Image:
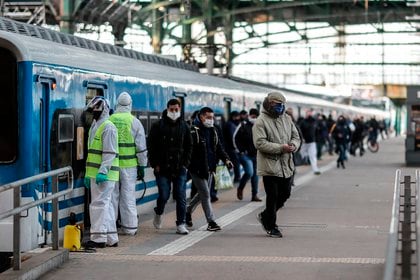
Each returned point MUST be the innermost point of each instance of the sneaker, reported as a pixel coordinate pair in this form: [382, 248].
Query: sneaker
[157, 221]
[113, 245]
[275, 232]
[256, 198]
[93, 244]
[259, 219]
[188, 220]
[317, 172]
[239, 194]
[213, 227]
[181, 229]
[214, 199]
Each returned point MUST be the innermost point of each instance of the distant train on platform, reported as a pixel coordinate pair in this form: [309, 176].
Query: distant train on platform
[46, 80]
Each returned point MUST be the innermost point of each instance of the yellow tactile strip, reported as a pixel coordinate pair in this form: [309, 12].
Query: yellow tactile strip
[253, 259]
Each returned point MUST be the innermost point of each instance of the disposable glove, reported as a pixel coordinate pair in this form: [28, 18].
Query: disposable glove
[87, 182]
[140, 172]
[100, 178]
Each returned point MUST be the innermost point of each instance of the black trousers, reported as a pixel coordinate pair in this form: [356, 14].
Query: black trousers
[277, 191]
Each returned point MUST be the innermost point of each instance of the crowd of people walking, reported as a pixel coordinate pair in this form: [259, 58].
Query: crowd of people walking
[252, 144]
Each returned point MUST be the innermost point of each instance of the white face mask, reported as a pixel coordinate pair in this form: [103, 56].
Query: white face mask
[252, 120]
[208, 123]
[174, 115]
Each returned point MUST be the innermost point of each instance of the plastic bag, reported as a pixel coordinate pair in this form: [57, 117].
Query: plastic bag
[223, 181]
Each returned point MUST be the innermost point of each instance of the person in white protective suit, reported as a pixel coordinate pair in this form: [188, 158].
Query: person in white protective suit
[102, 173]
[133, 161]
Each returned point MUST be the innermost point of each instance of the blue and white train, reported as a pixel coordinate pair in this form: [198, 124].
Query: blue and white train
[46, 80]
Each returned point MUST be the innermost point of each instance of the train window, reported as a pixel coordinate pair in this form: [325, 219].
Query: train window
[92, 92]
[144, 121]
[153, 119]
[9, 110]
[65, 128]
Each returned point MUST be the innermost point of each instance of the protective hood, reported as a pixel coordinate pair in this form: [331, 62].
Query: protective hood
[124, 103]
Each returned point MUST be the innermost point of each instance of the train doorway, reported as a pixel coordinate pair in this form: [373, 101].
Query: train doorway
[44, 186]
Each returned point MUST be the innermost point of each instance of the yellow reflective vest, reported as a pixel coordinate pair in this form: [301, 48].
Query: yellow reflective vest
[126, 144]
[94, 159]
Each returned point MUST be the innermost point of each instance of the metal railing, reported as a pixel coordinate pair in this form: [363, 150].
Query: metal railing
[17, 208]
[400, 257]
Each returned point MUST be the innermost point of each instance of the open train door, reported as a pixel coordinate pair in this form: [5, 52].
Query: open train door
[44, 187]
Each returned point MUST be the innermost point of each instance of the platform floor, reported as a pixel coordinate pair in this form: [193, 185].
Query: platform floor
[335, 226]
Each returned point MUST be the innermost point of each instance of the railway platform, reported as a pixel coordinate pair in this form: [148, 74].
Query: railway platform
[335, 226]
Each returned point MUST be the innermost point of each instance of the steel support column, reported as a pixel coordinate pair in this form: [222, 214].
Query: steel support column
[66, 16]
[157, 21]
[210, 51]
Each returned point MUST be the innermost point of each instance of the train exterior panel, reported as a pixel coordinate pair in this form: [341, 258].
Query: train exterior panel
[54, 82]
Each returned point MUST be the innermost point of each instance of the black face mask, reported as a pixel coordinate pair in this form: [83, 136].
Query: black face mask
[97, 115]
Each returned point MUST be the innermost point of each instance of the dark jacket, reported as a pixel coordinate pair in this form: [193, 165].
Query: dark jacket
[341, 133]
[207, 150]
[228, 130]
[308, 127]
[242, 139]
[169, 145]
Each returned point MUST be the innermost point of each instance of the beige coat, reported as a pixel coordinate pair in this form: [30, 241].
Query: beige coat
[269, 134]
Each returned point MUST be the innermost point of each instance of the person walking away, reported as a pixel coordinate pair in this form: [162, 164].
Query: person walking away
[330, 122]
[321, 135]
[373, 129]
[169, 145]
[207, 151]
[133, 161]
[308, 127]
[244, 145]
[276, 138]
[341, 134]
[357, 137]
[102, 173]
[228, 130]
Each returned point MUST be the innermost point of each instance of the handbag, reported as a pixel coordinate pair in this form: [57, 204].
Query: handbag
[223, 181]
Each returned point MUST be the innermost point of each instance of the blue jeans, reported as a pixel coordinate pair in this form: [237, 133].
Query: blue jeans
[179, 192]
[250, 172]
[342, 148]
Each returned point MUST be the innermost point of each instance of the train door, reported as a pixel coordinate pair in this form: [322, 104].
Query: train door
[227, 107]
[93, 88]
[44, 187]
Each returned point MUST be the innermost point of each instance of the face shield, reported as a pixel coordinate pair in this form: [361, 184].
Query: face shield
[97, 106]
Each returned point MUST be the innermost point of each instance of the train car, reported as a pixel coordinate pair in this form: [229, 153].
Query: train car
[48, 77]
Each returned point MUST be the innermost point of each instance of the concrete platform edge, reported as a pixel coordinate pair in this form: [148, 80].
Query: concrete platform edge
[37, 265]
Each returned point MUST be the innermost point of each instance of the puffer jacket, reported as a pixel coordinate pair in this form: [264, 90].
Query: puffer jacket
[269, 135]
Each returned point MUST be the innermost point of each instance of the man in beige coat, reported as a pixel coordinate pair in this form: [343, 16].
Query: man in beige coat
[276, 138]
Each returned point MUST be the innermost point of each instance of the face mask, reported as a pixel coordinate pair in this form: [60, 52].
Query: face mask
[252, 120]
[97, 115]
[208, 123]
[279, 108]
[174, 115]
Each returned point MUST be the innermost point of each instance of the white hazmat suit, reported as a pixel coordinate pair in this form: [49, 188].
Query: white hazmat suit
[124, 194]
[102, 214]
